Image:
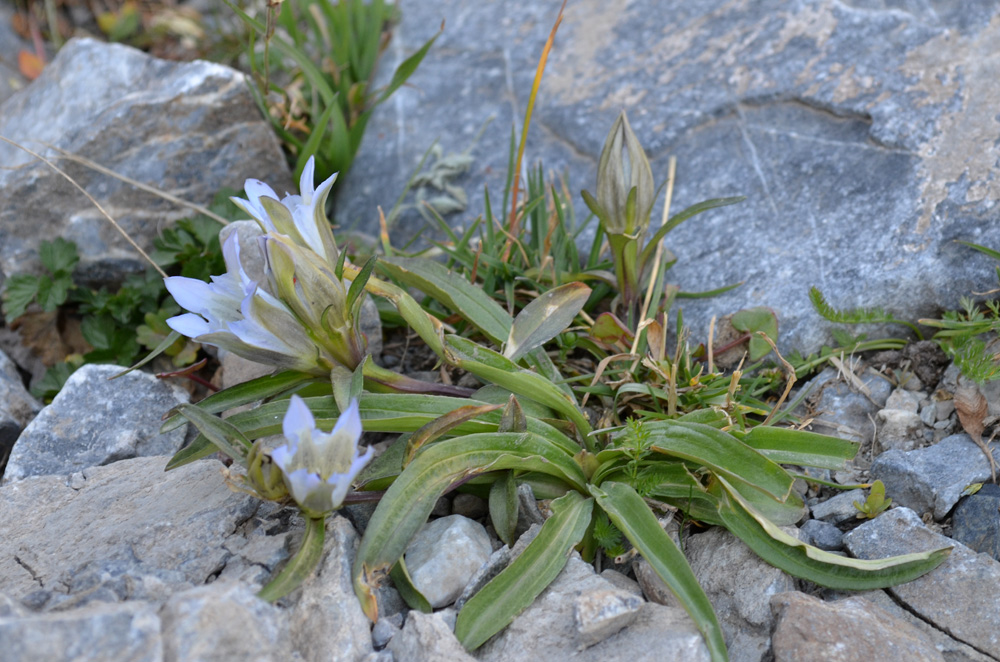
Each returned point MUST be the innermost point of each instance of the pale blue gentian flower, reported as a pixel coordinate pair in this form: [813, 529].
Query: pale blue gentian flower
[301, 217]
[318, 467]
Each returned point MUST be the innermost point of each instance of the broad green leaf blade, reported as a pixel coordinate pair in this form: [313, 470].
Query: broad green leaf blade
[503, 507]
[801, 448]
[545, 318]
[254, 390]
[824, 568]
[982, 249]
[226, 436]
[452, 290]
[516, 587]
[633, 517]
[444, 425]
[410, 499]
[404, 584]
[752, 320]
[500, 370]
[721, 452]
[301, 565]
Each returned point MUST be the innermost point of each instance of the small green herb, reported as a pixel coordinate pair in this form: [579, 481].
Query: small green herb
[875, 504]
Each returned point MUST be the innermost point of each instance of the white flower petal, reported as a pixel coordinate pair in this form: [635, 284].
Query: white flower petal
[189, 325]
[299, 421]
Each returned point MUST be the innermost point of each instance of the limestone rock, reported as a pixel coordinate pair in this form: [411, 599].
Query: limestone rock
[427, 638]
[837, 120]
[548, 630]
[932, 479]
[188, 128]
[222, 621]
[128, 631]
[852, 629]
[326, 615]
[840, 508]
[17, 407]
[949, 596]
[444, 556]
[838, 409]
[128, 529]
[95, 421]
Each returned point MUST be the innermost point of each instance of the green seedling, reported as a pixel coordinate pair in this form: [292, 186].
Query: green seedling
[875, 503]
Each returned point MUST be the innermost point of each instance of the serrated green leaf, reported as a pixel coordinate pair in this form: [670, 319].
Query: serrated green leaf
[516, 587]
[59, 255]
[53, 292]
[99, 331]
[21, 291]
[632, 516]
[544, 318]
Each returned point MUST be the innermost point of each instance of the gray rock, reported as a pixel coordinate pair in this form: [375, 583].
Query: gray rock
[222, 621]
[548, 628]
[622, 581]
[822, 534]
[899, 430]
[188, 128]
[444, 556]
[17, 407]
[427, 638]
[952, 649]
[96, 421]
[738, 584]
[903, 400]
[932, 479]
[385, 629]
[839, 508]
[807, 628]
[600, 614]
[528, 514]
[128, 631]
[169, 528]
[11, 43]
[949, 596]
[836, 119]
[327, 616]
[838, 409]
[498, 560]
[469, 505]
[976, 521]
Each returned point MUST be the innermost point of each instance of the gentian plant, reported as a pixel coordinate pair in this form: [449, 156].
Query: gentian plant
[524, 426]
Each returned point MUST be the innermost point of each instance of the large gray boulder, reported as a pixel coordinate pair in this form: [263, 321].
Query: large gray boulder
[186, 128]
[863, 134]
[96, 420]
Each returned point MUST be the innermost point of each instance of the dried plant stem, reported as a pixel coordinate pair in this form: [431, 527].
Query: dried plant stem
[92, 200]
[671, 173]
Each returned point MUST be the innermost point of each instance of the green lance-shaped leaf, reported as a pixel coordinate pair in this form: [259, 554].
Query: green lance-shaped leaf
[254, 390]
[795, 557]
[301, 565]
[516, 587]
[721, 452]
[513, 418]
[633, 517]
[500, 370]
[452, 290]
[164, 345]
[410, 499]
[443, 425]
[798, 447]
[503, 507]
[679, 218]
[226, 436]
[407, 590]
[544, 318]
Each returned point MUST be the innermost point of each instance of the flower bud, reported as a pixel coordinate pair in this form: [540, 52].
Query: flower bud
[622, 168]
